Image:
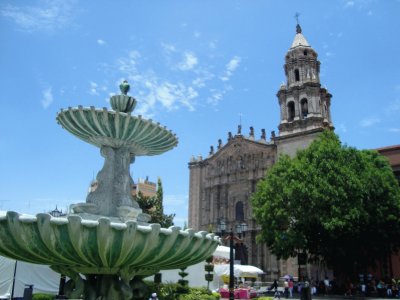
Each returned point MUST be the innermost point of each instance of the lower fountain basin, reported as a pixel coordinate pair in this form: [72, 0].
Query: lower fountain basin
[101, 246]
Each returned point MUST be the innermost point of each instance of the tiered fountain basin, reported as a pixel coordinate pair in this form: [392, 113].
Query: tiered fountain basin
[102, 127]
[101, 247]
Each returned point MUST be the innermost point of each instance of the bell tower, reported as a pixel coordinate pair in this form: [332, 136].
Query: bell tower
[304, 104]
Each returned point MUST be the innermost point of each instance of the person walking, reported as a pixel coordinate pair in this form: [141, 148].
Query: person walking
[327, 285]
[274, 287]
[291, 286]
[286, 287]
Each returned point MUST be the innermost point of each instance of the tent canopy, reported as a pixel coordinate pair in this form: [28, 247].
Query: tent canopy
[222, 251]
[238, 270]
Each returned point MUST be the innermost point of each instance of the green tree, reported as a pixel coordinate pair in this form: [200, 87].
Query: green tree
[159, 197]
[154, 207]
[338, 204]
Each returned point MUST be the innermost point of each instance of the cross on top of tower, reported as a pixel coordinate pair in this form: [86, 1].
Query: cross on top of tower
[298, 28]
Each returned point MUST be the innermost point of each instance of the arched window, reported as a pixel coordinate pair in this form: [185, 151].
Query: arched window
[297, 75]
[239, 211]
[290, 110]
[304, 108]
[305, 52]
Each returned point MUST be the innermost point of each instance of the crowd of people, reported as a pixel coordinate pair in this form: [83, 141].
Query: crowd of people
[383, 288]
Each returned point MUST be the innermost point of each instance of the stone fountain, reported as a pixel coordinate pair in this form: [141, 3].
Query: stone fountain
[106, 245]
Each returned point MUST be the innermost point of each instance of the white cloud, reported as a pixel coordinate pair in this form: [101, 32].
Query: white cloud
[393, 107]
[197, 34]
[215, 97]
[231, 66]
[128, 65]
[154, 91]
[189, 62]
[359, 4]
[170, 95]
[212, 45]
[174, 91]
[368, 122]
[396, 130]
[202, 78]
[100, 42]
[168, 47]
[47, 97]
[93, 88]
[50, 15]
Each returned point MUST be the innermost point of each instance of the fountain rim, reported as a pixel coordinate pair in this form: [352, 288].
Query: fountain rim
[95, 133]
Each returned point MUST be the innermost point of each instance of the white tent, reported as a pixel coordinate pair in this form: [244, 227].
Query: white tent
[44, 279]
[238, 270]
[196, 273]
[222, 252]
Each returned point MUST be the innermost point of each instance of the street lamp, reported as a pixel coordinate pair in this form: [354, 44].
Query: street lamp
[240, 228]
[221, 226]
[240, 248]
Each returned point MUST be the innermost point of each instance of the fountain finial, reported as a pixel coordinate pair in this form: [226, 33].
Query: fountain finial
[123, 103]
[124, 87]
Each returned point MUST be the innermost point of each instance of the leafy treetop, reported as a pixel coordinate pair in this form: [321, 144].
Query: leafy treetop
[154, 207]
[338, 204]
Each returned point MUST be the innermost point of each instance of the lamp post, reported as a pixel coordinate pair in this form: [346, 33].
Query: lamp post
[240, 228]
[231, 267]
[241, 255]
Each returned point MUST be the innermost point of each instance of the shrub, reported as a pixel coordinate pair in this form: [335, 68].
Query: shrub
[199, 291]
[216, 295]
[43, 297]
[196, 297]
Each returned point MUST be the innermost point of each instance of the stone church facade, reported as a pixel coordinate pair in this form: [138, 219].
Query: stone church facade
[221, 184]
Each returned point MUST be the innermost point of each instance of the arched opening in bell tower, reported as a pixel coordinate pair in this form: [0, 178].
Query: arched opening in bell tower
[290, 110]
[304, 108]
[297, 74]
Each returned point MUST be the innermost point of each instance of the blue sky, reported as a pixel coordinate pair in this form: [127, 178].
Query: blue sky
[196, 67]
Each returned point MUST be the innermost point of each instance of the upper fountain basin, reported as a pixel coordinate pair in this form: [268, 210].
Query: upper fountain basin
[101, 247]
[102, 127]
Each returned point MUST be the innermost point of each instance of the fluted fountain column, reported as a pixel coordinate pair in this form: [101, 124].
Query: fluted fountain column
[114, 182]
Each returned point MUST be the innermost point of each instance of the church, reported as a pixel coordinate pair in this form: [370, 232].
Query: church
[221, 184]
